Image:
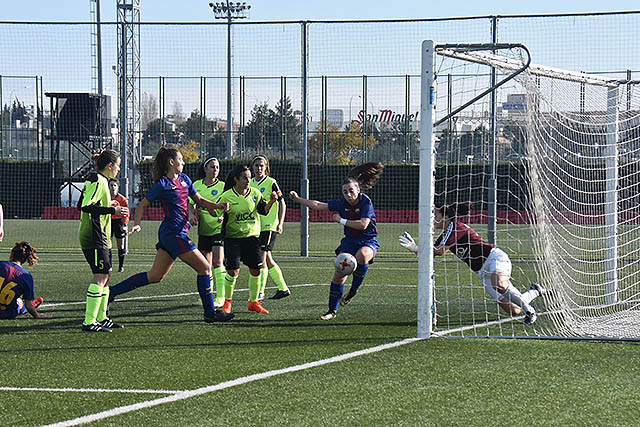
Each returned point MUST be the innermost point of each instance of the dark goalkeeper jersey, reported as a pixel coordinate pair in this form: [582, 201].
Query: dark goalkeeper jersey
[465, 243]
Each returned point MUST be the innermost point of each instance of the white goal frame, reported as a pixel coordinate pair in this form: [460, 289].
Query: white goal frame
[430, 50]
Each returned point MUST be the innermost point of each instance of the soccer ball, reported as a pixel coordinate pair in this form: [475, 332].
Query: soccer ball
[345, 263]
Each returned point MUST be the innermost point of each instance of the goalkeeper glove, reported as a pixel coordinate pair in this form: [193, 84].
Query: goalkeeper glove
[406, 241]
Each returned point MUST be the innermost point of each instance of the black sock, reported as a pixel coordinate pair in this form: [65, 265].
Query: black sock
[121, 254]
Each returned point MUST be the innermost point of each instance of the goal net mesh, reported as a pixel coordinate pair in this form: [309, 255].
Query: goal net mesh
[557, 190]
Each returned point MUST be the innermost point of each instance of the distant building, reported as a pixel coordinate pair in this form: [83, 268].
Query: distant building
[334, 116]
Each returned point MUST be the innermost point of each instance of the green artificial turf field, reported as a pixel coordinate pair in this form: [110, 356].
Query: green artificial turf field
[167, 367]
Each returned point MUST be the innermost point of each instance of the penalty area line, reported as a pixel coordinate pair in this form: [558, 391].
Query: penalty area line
[227, 384]
[91, 390]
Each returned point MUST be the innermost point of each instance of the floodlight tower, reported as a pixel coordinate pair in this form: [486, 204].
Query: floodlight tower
[128, 73]
[96, 46]
[229, 11]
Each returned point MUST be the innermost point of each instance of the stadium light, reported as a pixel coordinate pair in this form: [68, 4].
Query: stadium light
[229, 11]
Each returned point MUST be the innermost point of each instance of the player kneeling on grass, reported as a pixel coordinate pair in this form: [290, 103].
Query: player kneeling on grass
[16, 284]
[355, 212]
[492, 265]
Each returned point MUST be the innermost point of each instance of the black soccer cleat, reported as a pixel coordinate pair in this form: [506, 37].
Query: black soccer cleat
[281, 294]
[530, 318]
[219, 316]
[346, 300]
[108, 323]
[94, 327]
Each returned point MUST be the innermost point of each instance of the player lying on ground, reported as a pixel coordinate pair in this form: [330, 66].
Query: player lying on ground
[492, 265]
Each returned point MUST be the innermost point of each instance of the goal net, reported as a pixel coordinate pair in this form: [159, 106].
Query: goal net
[550, 160]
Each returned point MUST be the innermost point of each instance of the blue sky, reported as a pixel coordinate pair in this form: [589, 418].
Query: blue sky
[272, 10]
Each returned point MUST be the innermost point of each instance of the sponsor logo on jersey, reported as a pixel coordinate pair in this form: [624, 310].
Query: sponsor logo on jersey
[262, 189]
[214, 192]
[245, 217]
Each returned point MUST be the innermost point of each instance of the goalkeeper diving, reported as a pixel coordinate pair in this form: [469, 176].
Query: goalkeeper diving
[492, 264]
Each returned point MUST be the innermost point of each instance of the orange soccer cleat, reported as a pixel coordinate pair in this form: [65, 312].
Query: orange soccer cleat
[37, 302]
[226, 307]
[257, 307]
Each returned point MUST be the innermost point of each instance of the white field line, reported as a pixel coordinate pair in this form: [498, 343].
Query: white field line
[62, 304]
[224, 385]
[91, 390]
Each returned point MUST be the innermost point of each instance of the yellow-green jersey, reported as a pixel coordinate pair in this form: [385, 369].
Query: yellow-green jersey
[96, 210]
[243, 218]
[208, 225]
[266, 186]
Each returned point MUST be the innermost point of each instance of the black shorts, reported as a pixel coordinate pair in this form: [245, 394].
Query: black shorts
[207, 243]
[246, 249]
[118, 228]
[268, 240]
[99, 260]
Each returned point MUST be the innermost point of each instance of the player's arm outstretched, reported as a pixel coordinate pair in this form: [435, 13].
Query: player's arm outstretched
[407, 242]
[311, 204]
[209, 205]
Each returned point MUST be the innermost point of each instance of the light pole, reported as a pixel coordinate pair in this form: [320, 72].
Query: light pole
[229, 11]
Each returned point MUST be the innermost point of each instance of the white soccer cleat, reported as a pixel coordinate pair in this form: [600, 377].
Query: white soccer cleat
[538, 287]
[329, 315]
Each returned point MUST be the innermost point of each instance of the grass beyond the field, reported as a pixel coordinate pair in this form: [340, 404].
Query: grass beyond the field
[166, 349]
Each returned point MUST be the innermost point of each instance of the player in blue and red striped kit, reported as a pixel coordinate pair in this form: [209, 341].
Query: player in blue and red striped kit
[16, 284]
[172, 189]
[355, 212]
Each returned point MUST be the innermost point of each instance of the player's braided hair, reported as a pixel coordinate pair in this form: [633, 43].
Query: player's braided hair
[365, 174]
[23, 252]
[161, 162]
[101, 158]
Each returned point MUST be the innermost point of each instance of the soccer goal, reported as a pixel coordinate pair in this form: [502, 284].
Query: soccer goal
[550, 160]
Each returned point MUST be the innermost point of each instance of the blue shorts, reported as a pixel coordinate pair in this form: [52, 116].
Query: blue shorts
[176, 245]
[14, 311]
[352, 246]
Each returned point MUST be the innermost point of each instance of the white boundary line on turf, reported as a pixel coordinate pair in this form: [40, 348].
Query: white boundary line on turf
[224, 385]
[303, 285]
[92, 390]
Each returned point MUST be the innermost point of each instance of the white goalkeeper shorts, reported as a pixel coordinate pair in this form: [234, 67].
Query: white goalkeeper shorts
[498, 261]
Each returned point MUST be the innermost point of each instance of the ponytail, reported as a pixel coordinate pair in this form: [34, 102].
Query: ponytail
[366, 174]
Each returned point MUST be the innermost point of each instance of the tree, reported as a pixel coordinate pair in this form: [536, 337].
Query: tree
[264, 131]
[197, 127]
[148, 109]
[178, 116]
[343, 148]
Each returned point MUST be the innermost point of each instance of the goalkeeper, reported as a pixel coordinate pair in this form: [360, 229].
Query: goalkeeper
[492, 264]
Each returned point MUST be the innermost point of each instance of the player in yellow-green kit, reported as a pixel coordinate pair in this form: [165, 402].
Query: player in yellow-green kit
[210, 241]
[95, 238]
[241, 230]
[270, 226]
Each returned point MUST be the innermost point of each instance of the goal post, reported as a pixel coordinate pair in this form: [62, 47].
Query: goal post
[426, 197]
[567, 167]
